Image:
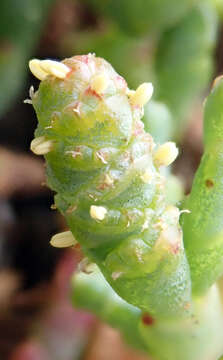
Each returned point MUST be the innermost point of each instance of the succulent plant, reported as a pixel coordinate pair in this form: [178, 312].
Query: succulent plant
[107, 173]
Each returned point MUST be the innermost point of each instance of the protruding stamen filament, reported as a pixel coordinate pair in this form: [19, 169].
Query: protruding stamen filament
[166, 153]
[98, 212]
[62, 240]
[31, 91]
[41, 146]
[99, 83]
[42, 68]
[142, 94]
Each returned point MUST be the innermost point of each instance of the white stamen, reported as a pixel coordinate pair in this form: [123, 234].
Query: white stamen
[64, 239]
[42, 68]
[31, 91]
[185, 211]
[28, 101]
[142, 94]
[166, 153]
[98, 212]
[41, 146]
[56, 68]
[101, 157]
[73, 153]
[77, 111]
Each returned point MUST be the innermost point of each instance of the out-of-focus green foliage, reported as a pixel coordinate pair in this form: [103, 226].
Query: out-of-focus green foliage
[184, 62]
[178, 58]
[20, 25]
[219, 7]
[158, 121]
[143, 16]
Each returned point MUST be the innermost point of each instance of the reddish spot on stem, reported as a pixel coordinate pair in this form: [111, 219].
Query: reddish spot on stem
[209, 183]
[148, 320]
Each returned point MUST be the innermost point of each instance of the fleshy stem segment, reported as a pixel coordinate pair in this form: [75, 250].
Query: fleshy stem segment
[106, 171]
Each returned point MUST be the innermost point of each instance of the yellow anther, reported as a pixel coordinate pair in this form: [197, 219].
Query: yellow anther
[36, 70]
[41, 146]
[142, 94]
[166, 153]
[42, 68]
[98, 212]
[56, 68]
[146, 176]
[99, 83]
[62, 240]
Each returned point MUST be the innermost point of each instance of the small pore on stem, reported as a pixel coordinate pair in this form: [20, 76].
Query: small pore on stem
[147, 319]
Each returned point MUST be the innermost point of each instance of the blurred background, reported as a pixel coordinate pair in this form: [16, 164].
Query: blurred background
[178, 45]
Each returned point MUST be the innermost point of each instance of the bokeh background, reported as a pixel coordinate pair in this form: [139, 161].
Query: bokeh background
[180, 55]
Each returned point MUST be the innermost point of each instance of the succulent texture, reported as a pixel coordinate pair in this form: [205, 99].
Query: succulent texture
[106, 171]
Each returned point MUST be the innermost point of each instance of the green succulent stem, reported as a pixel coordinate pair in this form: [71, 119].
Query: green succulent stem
[203, 228]
[107, 173]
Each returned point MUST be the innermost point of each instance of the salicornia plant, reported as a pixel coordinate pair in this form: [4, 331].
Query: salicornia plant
[161, 280]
